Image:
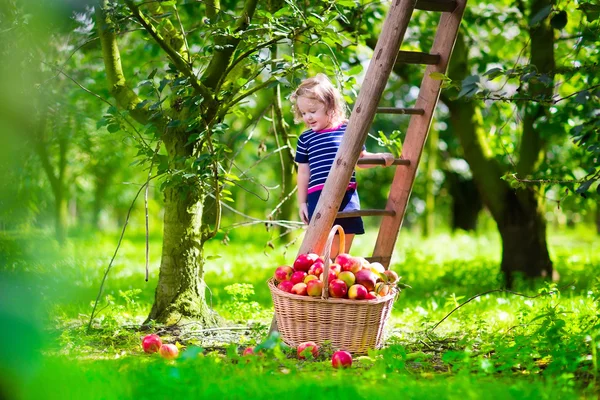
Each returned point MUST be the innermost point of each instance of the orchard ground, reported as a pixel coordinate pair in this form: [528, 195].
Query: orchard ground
[500, 345]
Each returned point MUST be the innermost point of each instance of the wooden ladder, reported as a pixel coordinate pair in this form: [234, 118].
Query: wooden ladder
[385, 55]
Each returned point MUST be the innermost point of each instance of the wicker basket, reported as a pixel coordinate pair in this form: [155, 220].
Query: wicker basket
[352, 325]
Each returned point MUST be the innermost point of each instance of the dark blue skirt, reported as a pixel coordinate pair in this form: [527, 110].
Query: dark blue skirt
[350, 202]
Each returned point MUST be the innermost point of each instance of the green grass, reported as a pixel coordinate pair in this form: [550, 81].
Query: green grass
[500, 345]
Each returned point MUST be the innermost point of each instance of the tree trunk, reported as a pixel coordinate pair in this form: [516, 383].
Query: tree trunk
[523, 232]
[180, 292]
[429, 214]
[61, 212]
[466, 202]
[598, 218]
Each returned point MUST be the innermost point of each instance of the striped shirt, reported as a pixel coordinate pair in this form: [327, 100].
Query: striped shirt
[318, 149]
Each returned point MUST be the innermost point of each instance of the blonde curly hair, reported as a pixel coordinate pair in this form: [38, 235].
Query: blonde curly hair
[321, 89]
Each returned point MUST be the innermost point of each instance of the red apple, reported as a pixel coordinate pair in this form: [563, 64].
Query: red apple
[314, 288]
[332, 275]
[357, 292]
[248, 351]
[341, 359]
[371, 296]
[169, 351]
[317, 268]
[349, 263]
[348, 277]
[304, 261]
[367, 278]
[286, 286]
[283, 273]
[298, 277]
[337, 268]
[300, 289]
[391, 275]
[151, 343]
[338, 288]
[306, 348]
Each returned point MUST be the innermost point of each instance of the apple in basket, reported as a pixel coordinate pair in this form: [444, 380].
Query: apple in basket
[314, 288]
[317, 268]
[371, 296]
[338, 288]
[300, 289]
[357, 292]
[391, 275]
[306, 348]
[332, 275]
[283, 273]
[304, 261]
[298, 277]
[349, 263]
[336, 268]
[382, 289]
[286, 286]
[348, 277]
[341, 359]
[367, 278]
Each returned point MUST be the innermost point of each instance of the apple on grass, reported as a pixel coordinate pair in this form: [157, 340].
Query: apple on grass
[151, 343]
[338, 288]
[248, 351]
[283, 273]
[306, 348]
[304, 261]
[169, 351]
[299, 289]
[341, 359]
[286, 286]
[314, 288]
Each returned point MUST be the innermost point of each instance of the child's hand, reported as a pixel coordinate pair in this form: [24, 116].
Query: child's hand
[388, 158]
[303, 212]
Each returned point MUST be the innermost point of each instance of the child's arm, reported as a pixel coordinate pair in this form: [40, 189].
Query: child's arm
[387, 157]
[303, 175]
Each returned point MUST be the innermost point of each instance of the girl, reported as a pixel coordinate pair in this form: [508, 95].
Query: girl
[321, 107]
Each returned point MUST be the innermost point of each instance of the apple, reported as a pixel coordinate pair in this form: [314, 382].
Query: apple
[283, 273]
[151, 343]
[348, 277]
[306, 348]
[300, 289]
[391, 275]
[371, 296]
[349, 263]
[286, 286]
[341, 359]
[332, 275]
[335, 267]
[298, 277]
[304, 261]
[367, 278]
[382, 289]
[248, 351]
[314, 288]
[309, 278]
[377, 268]
[364, 262]
[357, 292]
[317, 268]
[338, 288]
[169, 351]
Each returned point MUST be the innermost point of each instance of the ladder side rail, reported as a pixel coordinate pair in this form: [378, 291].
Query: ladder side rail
[380, 67]
[416, 134]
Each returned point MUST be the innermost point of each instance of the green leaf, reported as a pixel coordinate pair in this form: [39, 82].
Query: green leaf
[152, 73]
[438, 76]
[540, 16]
[112, 128]
[591, 11]
[559, 20]
[582, 97]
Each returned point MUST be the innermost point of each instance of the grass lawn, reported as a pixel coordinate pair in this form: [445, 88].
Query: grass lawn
[498, 346]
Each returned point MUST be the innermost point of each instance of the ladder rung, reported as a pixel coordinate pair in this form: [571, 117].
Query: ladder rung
[395, 110]
[380, 259]
[436, 5]
[415, 57]
[365, 213]
[381, 161]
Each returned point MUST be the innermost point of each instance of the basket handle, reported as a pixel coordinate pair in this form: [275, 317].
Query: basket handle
[327, 252]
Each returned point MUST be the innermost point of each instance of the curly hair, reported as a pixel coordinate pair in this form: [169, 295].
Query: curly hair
[321, 89]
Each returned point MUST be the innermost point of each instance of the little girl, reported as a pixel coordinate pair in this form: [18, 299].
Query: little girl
[321, 107]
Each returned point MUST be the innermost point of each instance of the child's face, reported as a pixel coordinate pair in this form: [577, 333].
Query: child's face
[313, 113]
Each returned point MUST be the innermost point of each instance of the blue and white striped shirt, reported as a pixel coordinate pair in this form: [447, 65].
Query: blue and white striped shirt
[318, 149]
